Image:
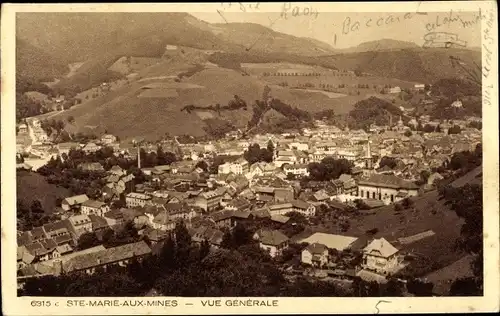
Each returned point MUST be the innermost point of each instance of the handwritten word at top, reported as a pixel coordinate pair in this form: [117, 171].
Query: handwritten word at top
[350, 26]
[454, 18]
[289, 10]
[241, 6]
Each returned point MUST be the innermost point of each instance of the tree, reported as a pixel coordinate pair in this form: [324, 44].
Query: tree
[408, 133]
[88, 240]
[388, 161]
[329, 168]
[71, 119]
[407, 203]
[419, 288]
[202, 165]
[455, 129]
[397, 207]
[428, 128]
[214, 166]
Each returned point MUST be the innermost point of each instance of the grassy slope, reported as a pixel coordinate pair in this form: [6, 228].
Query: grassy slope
[32, 186]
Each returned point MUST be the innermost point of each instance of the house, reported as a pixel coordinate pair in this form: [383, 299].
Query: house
[121, 256]
[156, 236]
[238, 204]
[117, 170]
[42, 250]
[81, 224]
[74, 202]
[285, 157]
[394, 90]
[114, 217]
[280, 209]
[209, 201]
[182, 211]
[304, 208]
[315, 254]
[282, 195]
[94, 207]
[223, 219]
[297, 169]
[64, 148]
[99, 223]
[163, 221]
[57, 229]
[91, 166]
[91, 148]
[22, 129]
[205, 233]
[240, 166]
[380, 256]
[272, 241]
[134, 199]
[108, 139]
[433, 178]
[337, 242]
[386, 188]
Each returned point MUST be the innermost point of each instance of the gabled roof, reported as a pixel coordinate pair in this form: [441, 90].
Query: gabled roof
[98, 222]
[77, 199]
[388, 181]
[106, 256]
[93, 204]
[381, 248]
[280, 218]
[300, 204]
[316, 248]
[272, 237]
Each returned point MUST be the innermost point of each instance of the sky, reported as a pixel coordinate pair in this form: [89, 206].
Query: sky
[343, 30]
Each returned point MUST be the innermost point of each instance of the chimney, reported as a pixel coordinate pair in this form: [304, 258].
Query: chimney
[139, 157]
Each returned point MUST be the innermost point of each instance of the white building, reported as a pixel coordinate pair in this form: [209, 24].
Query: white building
[272, 241]
[134, 199]
[240, 166]
[387, 188]
[380, 256]
[315, 254]
[92, 207]
[298, 169]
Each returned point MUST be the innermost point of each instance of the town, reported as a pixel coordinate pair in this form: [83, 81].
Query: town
[328, 204]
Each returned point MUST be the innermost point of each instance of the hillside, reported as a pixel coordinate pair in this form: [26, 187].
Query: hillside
[32, 186]
[372, 111]
[35, 64]
[260, 38]
[108, 37]
[379, 45]
[419, 65]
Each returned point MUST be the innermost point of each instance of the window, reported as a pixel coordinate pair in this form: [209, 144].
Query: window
[373, 195]
[362, 193]
[392, 197]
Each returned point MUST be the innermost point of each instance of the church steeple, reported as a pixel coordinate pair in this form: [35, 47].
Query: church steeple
[368, 157]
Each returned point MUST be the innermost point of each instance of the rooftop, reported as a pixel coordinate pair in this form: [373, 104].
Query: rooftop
[338, 242]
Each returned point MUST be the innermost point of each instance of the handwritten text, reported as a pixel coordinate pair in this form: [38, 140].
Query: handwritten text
[294, 11]
[453, 18]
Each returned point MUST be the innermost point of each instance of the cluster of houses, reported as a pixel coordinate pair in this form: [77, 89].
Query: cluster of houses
[211, 204]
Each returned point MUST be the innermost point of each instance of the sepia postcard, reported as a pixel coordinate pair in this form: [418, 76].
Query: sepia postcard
[250, 158]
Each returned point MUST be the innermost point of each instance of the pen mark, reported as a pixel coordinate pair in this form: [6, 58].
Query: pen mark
[222, 16]
[376, 306]
[262, 34]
